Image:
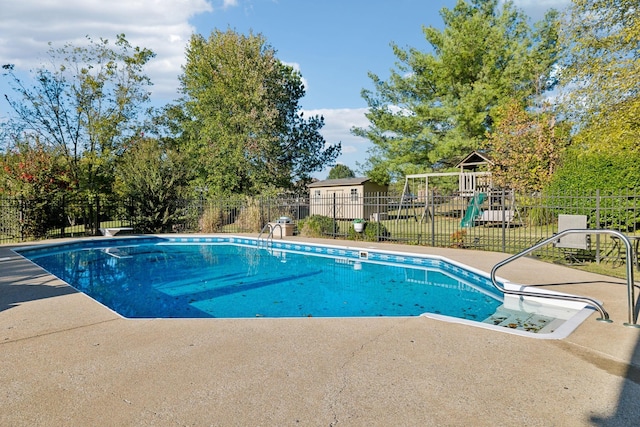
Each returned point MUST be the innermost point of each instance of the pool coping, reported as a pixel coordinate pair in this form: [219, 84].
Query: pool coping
[71, 362]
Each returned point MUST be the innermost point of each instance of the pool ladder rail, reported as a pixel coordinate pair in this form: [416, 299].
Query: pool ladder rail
[604, 316]
[268, 241]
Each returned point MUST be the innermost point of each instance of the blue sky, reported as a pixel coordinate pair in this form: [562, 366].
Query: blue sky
[333, 43]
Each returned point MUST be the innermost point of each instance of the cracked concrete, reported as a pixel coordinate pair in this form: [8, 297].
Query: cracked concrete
[68, 360]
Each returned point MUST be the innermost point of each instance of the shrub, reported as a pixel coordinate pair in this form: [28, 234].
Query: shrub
[612, 174]
[607, 172]
[373, 232]
[457, 238]
[534, 213]
[315, 226]
[155, 178]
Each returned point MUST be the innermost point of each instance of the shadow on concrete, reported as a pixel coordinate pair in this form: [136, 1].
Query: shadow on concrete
[12, 296]
[22, 282]
[628, 409]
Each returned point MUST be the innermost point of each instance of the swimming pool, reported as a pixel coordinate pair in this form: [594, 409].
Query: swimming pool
[232, 277]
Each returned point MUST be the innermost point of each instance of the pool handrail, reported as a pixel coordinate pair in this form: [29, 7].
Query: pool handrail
[272, 228]
[603, 313]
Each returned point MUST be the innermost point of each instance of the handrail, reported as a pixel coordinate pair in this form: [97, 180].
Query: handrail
[261, 233]
[604, 315]
[267, 225]
[270, 236]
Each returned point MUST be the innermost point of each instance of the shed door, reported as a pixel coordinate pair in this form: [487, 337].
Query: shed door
[337, 202]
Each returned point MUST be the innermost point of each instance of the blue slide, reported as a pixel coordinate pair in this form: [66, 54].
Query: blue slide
[473, 210]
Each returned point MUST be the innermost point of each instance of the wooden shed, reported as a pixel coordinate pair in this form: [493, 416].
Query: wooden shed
[343, 198]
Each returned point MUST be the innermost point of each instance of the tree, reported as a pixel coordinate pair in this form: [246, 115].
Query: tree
[242, 121]
[85, 104]
[600, 73]
[526, 147]
[341, 171]
[155, 178]
[436, 107]
[37, 178]
[33, 169]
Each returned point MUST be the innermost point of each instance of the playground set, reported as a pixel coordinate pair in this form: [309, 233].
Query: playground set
[475, 200]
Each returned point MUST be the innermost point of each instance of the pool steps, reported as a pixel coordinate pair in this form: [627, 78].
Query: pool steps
[523, 321]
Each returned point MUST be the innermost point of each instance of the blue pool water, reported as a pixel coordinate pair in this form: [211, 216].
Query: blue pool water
[191, 279]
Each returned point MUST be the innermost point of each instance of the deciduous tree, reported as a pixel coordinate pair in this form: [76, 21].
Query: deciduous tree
[37, 178]
[84, 102]
[33, 169]
[526, 147]
[601, 74]
[243, 126]
[155, 179]
[341, 171]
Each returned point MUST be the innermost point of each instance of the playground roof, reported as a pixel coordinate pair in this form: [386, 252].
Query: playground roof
[473, 160]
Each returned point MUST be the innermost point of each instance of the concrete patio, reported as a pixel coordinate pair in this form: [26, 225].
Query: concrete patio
[67, 360]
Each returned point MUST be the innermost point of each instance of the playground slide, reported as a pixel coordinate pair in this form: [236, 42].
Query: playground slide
[473, 210]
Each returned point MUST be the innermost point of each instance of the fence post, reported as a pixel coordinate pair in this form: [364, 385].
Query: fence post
[433, 220]
[597, 225]
[98, 209]
[503, 207]
[21, 218]
[365, 205]
[334, 216]
[268, 198]
[63, 208]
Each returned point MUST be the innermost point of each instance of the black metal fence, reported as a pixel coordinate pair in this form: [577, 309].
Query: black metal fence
[499, 221]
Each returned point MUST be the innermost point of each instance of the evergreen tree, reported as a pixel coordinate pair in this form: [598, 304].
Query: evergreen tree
[436, 107]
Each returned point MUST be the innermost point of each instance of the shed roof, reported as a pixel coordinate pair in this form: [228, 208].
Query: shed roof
[339, 182]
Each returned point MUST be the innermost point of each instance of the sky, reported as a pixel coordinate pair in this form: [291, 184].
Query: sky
[333, 43]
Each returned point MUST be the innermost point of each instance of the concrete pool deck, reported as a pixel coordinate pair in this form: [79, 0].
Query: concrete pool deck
[67, 360]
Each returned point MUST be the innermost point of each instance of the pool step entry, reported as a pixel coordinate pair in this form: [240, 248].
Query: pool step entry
[604, 316]
[520, 320]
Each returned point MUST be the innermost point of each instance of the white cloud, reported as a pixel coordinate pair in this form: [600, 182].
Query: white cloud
[338, 123]
[296, 67]
[337, 128]
[160, 25]
[537, 8]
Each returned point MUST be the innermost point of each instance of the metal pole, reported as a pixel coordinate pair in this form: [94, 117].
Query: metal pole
[334, 216]
[433, 218]
[504, 219]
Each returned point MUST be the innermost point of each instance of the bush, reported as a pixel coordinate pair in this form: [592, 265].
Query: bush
[535, 214]
[155, 178]
[315, 226]
[607, 172]
[37, 216]
[373, 232]
[612, 174]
